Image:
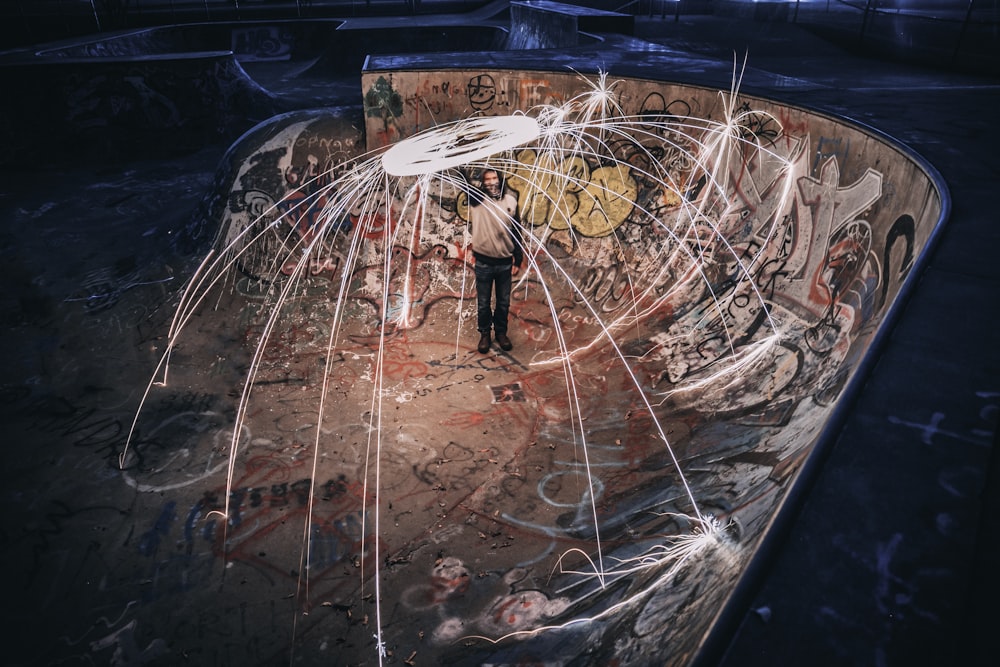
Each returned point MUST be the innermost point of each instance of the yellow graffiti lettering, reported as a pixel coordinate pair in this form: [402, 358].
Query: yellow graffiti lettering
[607, 201]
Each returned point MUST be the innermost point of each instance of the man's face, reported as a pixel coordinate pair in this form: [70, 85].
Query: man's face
[491, 183]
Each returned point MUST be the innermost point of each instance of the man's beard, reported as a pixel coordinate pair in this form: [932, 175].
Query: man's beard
[493, 191]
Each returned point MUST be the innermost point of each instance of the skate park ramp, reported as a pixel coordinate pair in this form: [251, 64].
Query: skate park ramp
[508, 540]
[593, 496]
[174, 88]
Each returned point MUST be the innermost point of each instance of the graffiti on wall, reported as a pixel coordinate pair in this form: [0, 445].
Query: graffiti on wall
[496, 480]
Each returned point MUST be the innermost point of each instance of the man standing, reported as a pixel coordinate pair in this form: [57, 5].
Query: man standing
[496, 247]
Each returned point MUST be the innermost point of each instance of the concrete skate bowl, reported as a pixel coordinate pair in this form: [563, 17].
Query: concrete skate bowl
[673, 377]
[171, 90]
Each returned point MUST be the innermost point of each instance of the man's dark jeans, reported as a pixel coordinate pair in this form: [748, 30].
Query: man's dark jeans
[490, 277]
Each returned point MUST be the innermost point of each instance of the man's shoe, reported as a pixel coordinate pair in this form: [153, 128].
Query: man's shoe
[484, 343]
[504, 342]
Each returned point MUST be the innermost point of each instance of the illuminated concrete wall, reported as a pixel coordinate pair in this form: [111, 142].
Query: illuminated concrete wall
[489, 499]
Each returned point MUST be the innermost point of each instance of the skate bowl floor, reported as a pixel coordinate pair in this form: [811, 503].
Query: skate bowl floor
[516, 516]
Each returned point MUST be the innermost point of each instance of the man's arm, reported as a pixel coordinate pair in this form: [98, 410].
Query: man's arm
[515, 233]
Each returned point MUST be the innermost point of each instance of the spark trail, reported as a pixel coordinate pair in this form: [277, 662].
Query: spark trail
[649, 195]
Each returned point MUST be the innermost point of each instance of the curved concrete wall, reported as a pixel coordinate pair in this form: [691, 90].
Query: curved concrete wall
[504, 488]
[487, 500]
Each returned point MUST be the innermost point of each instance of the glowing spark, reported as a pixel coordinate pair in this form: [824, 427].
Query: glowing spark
[458, 143]
[586, 175]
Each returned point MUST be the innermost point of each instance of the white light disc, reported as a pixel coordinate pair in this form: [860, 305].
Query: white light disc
[458, 143]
